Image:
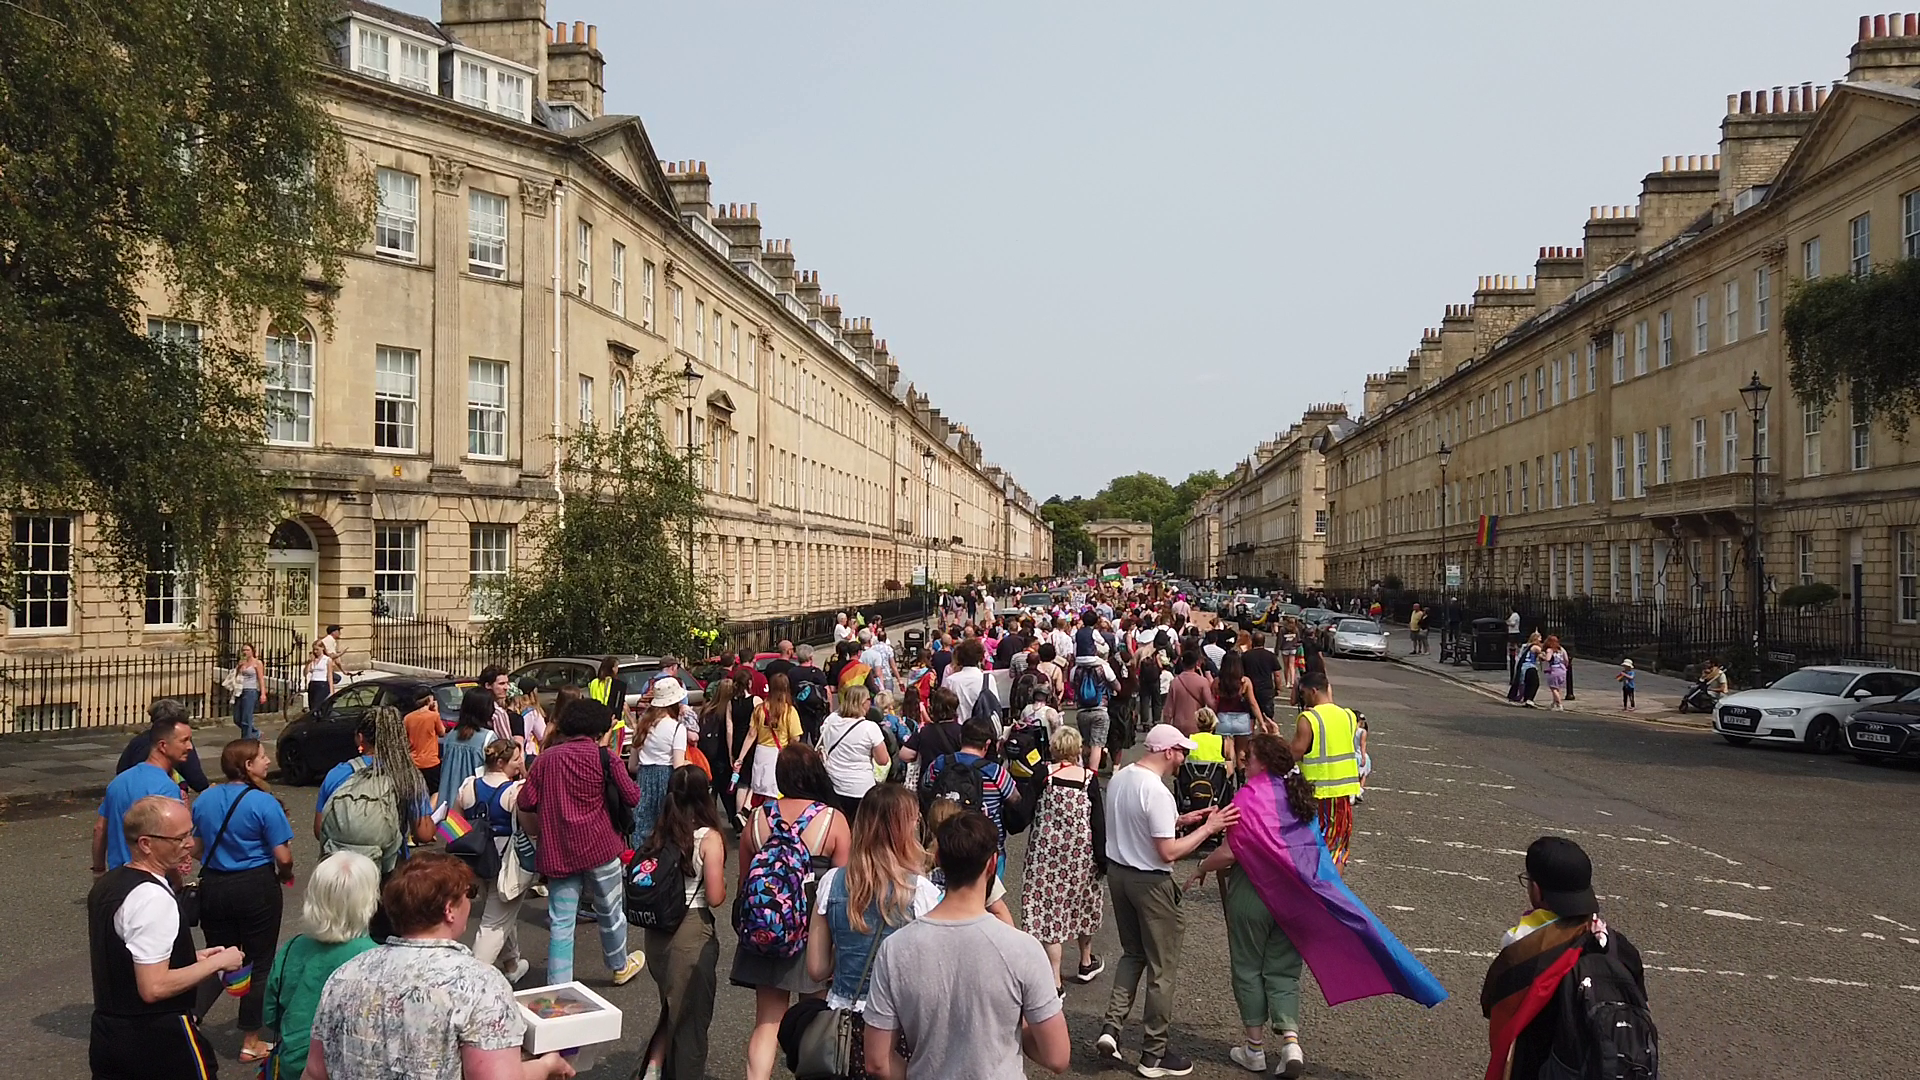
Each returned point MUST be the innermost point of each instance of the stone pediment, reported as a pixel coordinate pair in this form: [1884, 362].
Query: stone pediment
[1857, 115]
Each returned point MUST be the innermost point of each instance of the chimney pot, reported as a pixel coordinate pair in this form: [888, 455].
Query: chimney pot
[1819, 97]
[579, 32]
[1879, 26]
[1913, 25]
[1746, 101]
[593, 36]
[1866, 27]
[1778, 99]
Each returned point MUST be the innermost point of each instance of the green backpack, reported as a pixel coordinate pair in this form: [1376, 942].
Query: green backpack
[363, 816]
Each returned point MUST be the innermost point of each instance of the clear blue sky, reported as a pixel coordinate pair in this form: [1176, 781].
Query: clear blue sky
[1120, 236]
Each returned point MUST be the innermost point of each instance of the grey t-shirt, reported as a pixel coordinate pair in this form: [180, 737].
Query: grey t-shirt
[959, 990]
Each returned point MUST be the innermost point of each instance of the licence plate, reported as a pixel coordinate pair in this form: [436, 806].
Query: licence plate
[1872, 736]
[1739, 723]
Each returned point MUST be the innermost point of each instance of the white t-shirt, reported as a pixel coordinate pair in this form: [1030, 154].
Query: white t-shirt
[662, 741]
[1513, 623]
[1062, 645]
[149, 921]
[965, 685]
[842, 632]
[848, 742]
[1140, 809]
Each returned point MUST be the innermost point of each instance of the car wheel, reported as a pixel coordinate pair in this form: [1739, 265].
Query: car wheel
[294, 769]
[1737, 740]
[1823, 735]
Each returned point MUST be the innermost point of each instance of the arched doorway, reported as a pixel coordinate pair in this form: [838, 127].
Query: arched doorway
[293, 579]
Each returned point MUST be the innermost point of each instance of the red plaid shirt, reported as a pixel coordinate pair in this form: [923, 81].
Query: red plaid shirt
[564, 788]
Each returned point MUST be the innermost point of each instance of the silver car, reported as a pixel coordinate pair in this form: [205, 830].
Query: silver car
[1359, 637]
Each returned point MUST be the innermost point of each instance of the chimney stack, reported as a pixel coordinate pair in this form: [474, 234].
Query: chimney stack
[1557, 273]
[1612, 235]
[1501, 303]
[513, 30]
[806, 289]
[692, 190]
[740, 222]
[1888, 50]
[576, 72]
[1373, 397]
[1673, 198]
[1457, 338]
[1761, 128]
[776, 258]
[830, 310]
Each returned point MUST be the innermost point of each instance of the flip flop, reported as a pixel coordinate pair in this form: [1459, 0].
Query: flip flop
[258, 1054]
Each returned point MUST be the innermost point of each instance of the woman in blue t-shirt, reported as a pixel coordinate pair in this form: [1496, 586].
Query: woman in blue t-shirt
[248, 856]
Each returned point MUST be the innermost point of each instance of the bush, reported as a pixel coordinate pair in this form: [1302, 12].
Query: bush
[1811, 595]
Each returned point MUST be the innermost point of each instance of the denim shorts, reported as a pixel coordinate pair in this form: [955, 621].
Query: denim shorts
[1234, 723]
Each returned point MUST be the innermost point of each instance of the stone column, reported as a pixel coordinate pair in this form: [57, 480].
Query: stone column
[443, 383]
[530, 420]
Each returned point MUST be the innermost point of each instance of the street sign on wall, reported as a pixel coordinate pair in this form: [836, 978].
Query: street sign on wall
[920, 575]
[1453, 575]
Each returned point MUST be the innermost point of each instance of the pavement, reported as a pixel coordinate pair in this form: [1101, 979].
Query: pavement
[1770, 892]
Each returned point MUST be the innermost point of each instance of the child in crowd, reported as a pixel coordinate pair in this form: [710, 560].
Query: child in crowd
[1202, 778]
[1626, 683]
[1364, 756]
[1041, 708]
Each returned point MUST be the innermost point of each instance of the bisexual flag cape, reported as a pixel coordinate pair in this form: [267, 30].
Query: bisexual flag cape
[1352, 954]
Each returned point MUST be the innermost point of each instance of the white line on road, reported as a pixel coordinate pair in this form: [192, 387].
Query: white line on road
[1400, 746]
[1427, 870]
[1443, 764]
[1682, 969]
[1695, 847]
[1897, 923]
[1718, 914]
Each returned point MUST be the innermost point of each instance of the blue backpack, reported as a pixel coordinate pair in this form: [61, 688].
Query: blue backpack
[770, 914]
[1089, 686]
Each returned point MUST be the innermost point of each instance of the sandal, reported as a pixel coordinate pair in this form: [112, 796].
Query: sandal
[250, 1055]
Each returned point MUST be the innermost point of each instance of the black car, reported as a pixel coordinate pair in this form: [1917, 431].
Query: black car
[1887, 731]
[315, 743]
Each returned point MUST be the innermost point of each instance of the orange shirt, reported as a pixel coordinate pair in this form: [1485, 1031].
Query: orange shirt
[424, 729]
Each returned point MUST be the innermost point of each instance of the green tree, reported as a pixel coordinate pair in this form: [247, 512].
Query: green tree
[609, 572]
[1071, 543]
[1858, 335]
[178, 147]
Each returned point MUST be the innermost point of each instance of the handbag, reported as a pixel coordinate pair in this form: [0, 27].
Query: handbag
[190, 892]
[619, 812]
[825, 1048]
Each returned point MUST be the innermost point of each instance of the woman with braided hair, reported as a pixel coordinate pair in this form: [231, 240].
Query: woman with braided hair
[386, 758]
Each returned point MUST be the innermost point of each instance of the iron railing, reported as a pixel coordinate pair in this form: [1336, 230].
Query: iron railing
[438, 645]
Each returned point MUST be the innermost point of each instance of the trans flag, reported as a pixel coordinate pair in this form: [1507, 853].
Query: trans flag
[1351, 953]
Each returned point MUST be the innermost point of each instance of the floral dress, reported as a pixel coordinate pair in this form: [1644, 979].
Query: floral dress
[1060, 896]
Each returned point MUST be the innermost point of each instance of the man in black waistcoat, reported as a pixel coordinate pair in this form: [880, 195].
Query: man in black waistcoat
[145, 969]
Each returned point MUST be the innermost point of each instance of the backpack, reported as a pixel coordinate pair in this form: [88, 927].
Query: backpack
[1197, 785]
[1604, 1022]
[656, 890]
[770, 914]
[363, 817]
[1021, 695]
[1089, 686]
[987, 705]
[958, 780]
[1150, 669]
[1026, 750]
[810, 701]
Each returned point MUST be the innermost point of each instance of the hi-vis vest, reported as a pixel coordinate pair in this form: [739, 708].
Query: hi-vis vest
[1331, 764]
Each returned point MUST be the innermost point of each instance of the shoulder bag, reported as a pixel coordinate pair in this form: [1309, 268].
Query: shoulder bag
[190, 892]
[825, 1048]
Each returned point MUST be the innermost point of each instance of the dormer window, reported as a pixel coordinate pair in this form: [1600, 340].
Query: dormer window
[379, 53]
[485, 82]
[562, 115]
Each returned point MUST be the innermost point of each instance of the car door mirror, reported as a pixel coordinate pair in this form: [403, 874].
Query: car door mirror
[1860, 693]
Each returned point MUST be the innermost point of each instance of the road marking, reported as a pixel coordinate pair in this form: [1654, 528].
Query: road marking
[1601, 812]
[1695, 847]
[1911, 940]
[1873, 936]
[1836, 929]
[1897, 923]
[1444, 764]
[1682, 969]
[1398, 907]
[1428, 870]
[1736, 884]
[1400, 746]
[1718, 914]
[1403, 791]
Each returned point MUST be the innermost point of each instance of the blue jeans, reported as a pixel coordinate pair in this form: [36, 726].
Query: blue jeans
[243, 708]
[609, 909]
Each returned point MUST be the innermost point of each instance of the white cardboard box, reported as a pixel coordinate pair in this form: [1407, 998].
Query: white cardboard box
[597, 1021]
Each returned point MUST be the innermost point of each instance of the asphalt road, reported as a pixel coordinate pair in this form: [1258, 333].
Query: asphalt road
[1772, 894]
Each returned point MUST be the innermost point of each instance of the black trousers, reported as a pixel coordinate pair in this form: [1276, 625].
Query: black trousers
[149, 1048]
[242, 909]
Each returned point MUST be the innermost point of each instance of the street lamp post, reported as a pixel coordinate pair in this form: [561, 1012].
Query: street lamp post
[1754, 395]
[926, 471]
[690, 380]
[1446, 623]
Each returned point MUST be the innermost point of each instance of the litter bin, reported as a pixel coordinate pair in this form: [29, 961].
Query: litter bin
[1489, 644]
[916, 639]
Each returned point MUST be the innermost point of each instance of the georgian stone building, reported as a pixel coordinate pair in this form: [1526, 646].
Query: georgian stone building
[1200, 536]
[1120, 540]
[532, 261]
[1595, 407]
[1273, 506]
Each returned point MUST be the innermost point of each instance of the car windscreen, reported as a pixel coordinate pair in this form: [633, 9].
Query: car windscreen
[1805, 681]
[1356, 626]
[448, 696]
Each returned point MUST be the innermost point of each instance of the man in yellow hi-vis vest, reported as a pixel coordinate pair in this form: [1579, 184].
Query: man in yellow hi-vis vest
[1325, 743]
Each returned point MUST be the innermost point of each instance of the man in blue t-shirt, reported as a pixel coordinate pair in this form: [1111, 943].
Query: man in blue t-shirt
[170, 740]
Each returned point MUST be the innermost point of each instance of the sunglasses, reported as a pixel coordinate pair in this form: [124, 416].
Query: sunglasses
[473, 891]
[181, 839]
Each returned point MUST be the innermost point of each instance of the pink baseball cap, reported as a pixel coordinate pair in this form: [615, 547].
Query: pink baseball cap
[1166, 737]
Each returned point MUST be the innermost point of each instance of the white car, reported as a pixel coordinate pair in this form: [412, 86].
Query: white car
[1807, 706]
[1359, 637]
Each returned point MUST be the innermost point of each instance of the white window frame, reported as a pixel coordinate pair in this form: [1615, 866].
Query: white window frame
[415, 69]
[371, 45]
[396, 222]
[290, 386]
[396, 568]
[617, 400]
[167, 591]
[1592, 465]
[509, 93]
[1862, 442]
[583, 400]
[733, 351]
[489, 562]
[1666, 339]
[1730, 312]
[1619, 362]
[1573, 375]
[1860, 245]
[700, 330]
[1803, 557]
[1762, 300]
[1663, 456]
[43, 573]
[486, 234]
[396, 397]
[1701, 329]
[470, 75]
[647, 272]
[583, 259]
[1559, 488]
[1699, 447]
[1812, 420]
[1910, 224]
[617, 279]
[1554, 396]
[1639, 464]
[1729, 442]
[752, 457]
[1810, 259]
[486, 408]
[1640, 348]
[715, 342]
[1906, 577]
[1593, 367]
[1619, 466]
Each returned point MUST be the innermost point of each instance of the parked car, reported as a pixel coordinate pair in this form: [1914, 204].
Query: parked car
[1878, 733]
[550, 673]
[1808, 706]
[317, 742]
[1359, 637]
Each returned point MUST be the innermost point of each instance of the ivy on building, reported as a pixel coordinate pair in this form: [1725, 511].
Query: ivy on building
[608, 571]
[1858, 336]
[172, 159]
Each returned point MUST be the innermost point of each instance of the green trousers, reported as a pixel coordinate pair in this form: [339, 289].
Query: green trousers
[1266, 967]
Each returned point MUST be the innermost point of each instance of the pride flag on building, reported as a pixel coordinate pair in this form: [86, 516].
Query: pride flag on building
[1351, 952]
[1489, 531]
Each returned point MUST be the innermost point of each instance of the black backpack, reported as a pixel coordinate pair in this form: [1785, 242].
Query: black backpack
[1604, 1024]
[656, 890]
[1026, 750]
[958, 780]
[987, 705]
[810, 701]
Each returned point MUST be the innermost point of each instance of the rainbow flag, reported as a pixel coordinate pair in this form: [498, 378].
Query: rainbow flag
[238, 980]
[1489, 531]
[1352, 954]
[453, 826]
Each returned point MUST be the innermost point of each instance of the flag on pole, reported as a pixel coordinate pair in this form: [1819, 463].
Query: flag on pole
[453, 827]
[1351, 952]
[1489, 532]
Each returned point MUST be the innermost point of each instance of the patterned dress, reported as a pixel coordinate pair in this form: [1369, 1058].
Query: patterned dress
[1060, 897]
[406, 1008]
